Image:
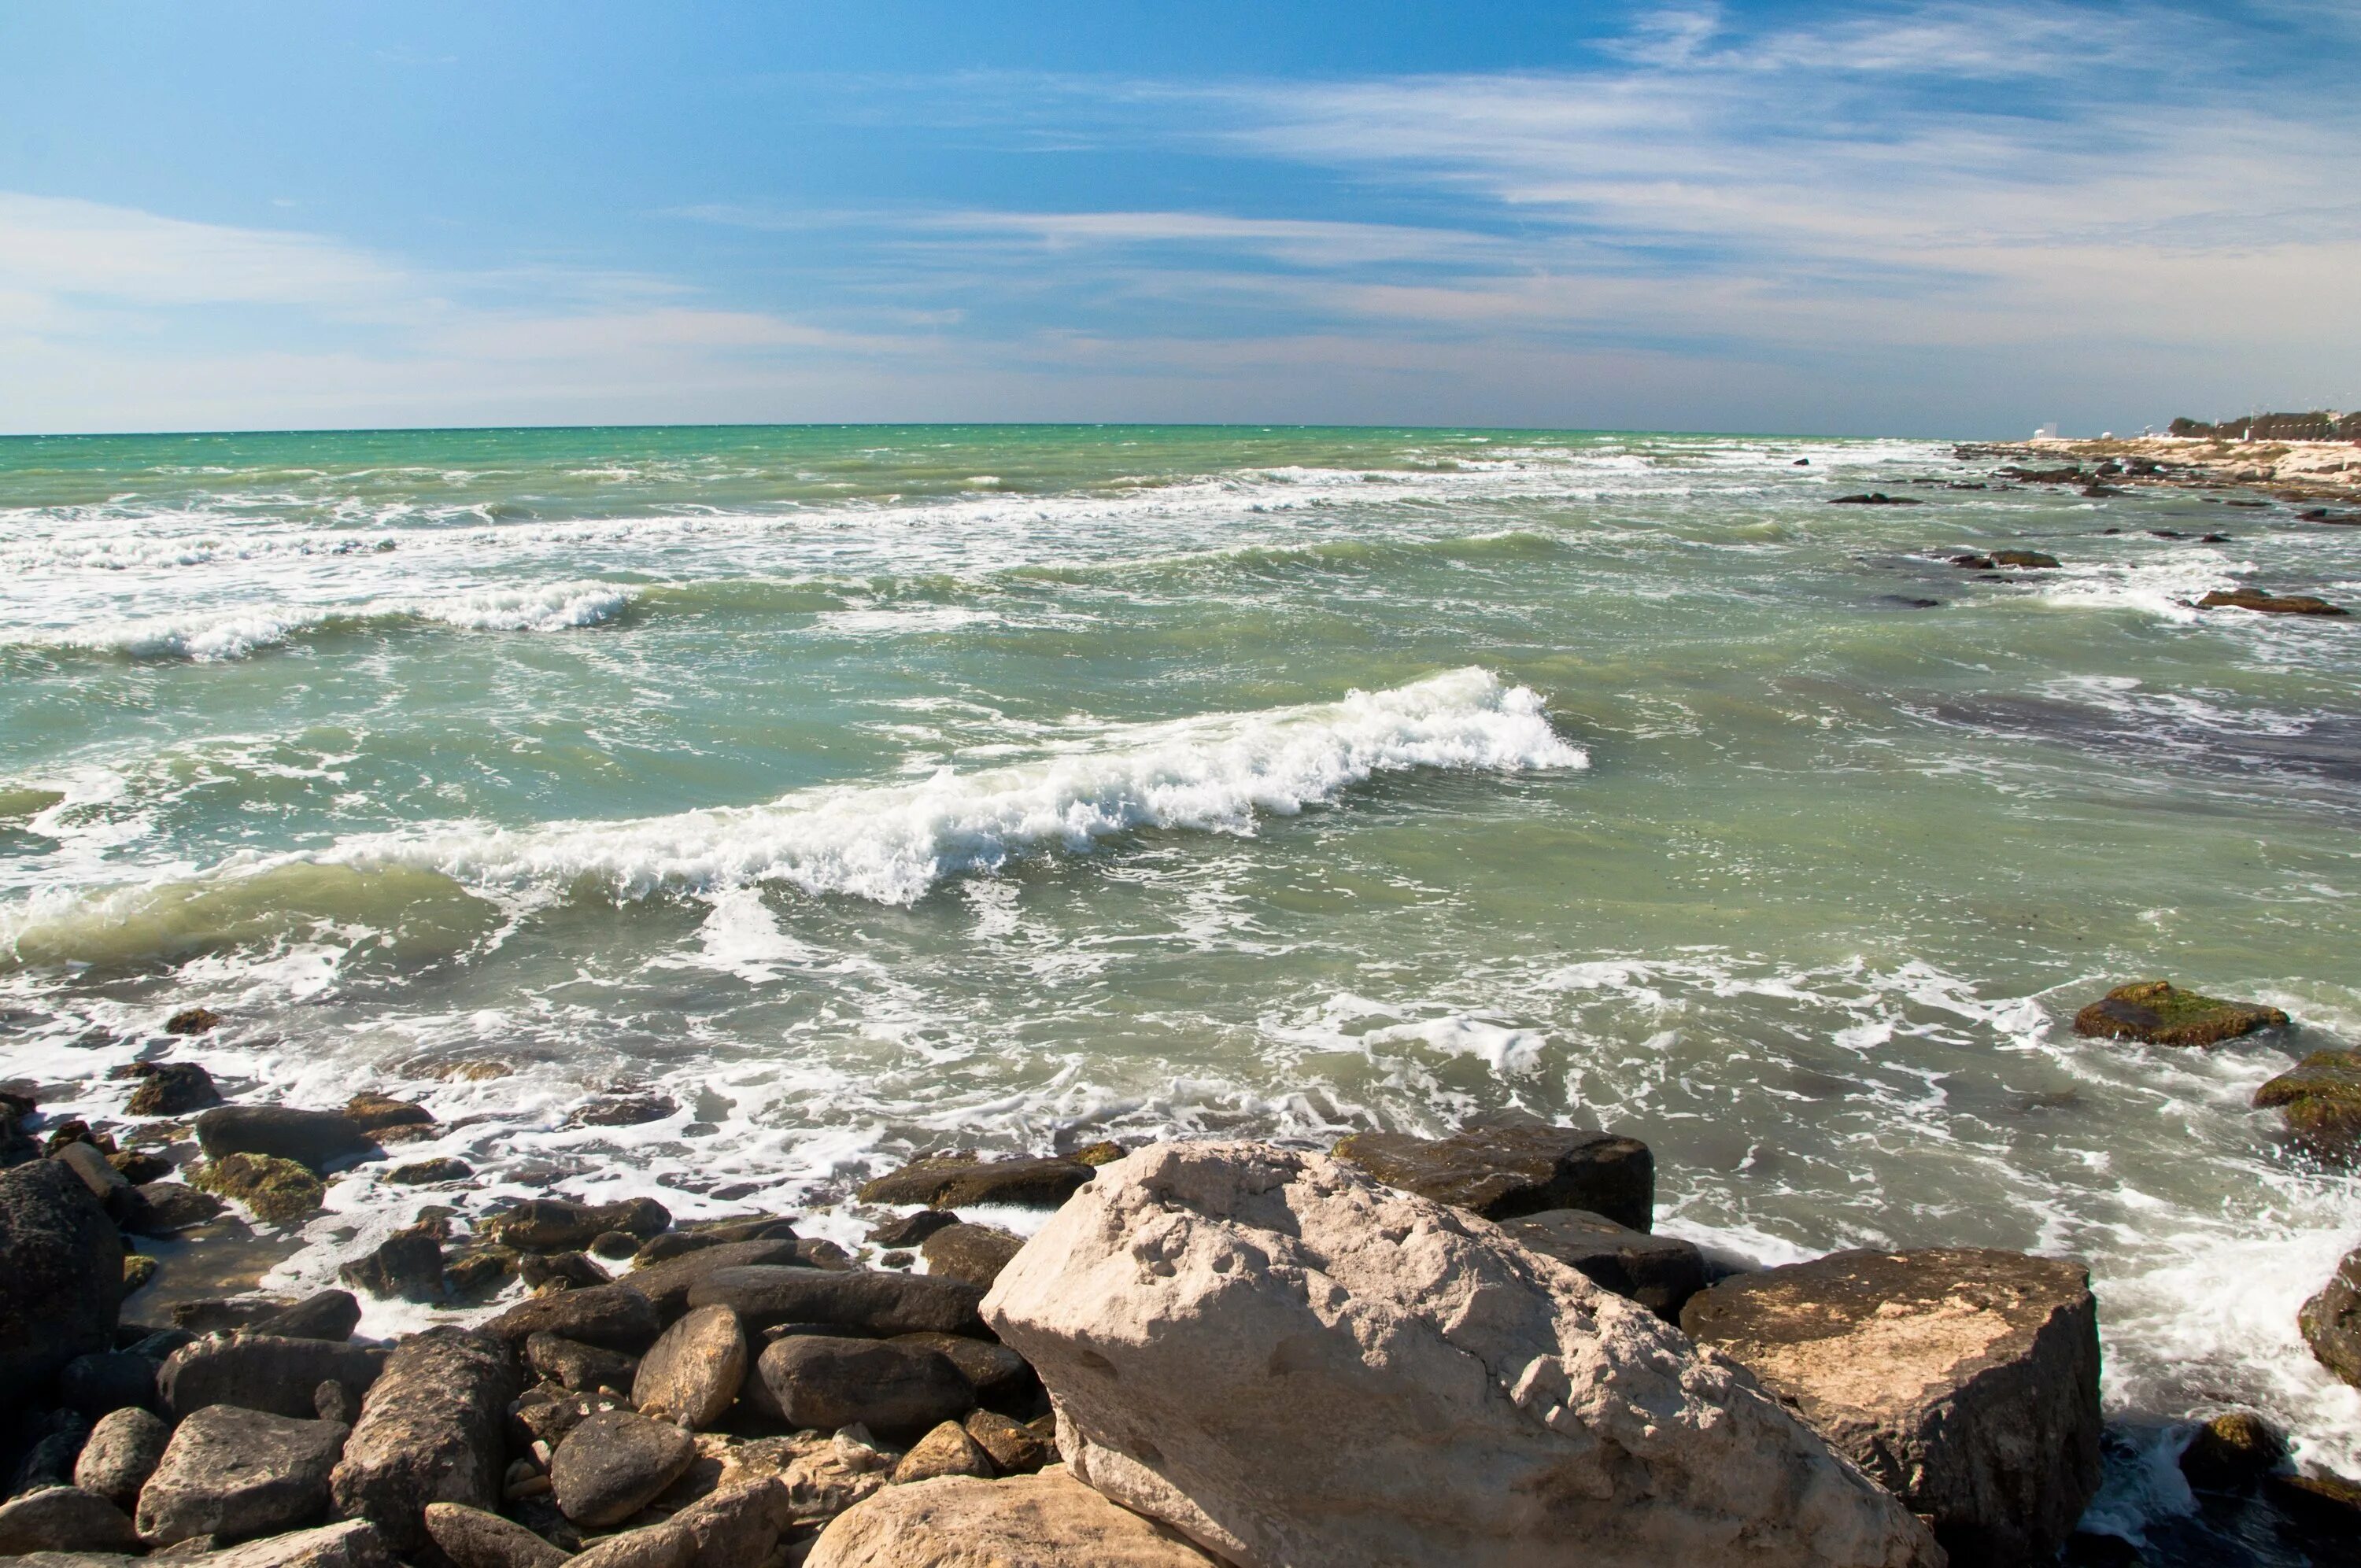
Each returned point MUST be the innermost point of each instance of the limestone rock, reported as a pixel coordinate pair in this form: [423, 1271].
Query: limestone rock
[948, 1450]
[1661, 1273]
[1511, 1164]
[1292, 1365]
[235, 1474]
[168, 1088]
[261, 1372]
[63, 1282]
[560, 1224]
[353, 1544]
[737, 1526]
[431, 1432]
[474, 1538]
[64, 1518]
[2320, 1098]
[875, 1299]
[317, 1140]
[328, 1315]
[278, 1190]
[578, 1367]
[2331, 1321]
[821, 1381]
[948, 1181]
[1965, 1380]
[1014, 1448]
[667, 1281]
[1049, 1520]
[611, 1465]
[691, 1376]
[613, 1316]
[2158, 1013]
[660, 1546]
[121, 1452]
[974, 1252]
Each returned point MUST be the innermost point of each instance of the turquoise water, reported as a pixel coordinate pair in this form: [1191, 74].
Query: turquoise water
[870, 789]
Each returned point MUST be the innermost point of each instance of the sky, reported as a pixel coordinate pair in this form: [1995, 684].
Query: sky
[1959, 218]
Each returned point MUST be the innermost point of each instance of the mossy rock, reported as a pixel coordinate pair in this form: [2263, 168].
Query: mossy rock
[2320, 1098]
[139, 1268]
[278, 1190]
[2158, 1013]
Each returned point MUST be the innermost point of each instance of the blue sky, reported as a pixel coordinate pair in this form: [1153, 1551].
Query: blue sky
[1953, 218]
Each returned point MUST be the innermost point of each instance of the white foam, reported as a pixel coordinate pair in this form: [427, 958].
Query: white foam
[205, 637]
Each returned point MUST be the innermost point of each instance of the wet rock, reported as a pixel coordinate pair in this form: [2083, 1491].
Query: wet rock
[2324, 1502]
[948, 1450]
[1039, 1521]
[63, 1281]
[2331, 1321]
[566, 1271]
[612, 1465]
[1015, 1448]
[949, 1181]
[1661, 1273]
[430, 1430]
[820, 1381]
[64, 1518]
[737, 1526]
[2270, 604]
[407, 1265]
[625, 1111]
[1873, 498]
[168, 1088]
[476, 1538]
[430, 1172]
[615, 1245]
[90, 1167]
[994, 1371]
[2158, 1013]
[168, 1208]
[1211, 1316]
[2233, 1452]
[2320, 1098]
[262, 1372]
[974, 1252]
[352, 1544]
[327, 1315]
[278, 1190]
[235, 1473]
[692, 1374]
[478, 1272]
[139, 1268]
[560, 1224]
[612, 1317]
[121, 1452]
[317, 1140]
[372, 1111]
[1511, 1164]
[91, 1386]
[2033, 560]
[578, 1367]
[911, 1229]
[140, 1167]
[192, 1021]
[659, 1546]
[668, 1282]
[875, 1300]
[1964, 1380]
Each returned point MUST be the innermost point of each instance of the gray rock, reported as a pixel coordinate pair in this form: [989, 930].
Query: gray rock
[63, 1282]
[262, 1372]
[659, 1546]
[613, 1464]
[431, 1432]
[330, 1315]
[1964, 1380]
[692, 1374]
[1513, 1164]
[352, 1544]
[613, 1316]
[560, 1224]
[576, 1366]
[89, 1162]
[1661, 1273]
[952, 1181]
[888, 1386]
[121, 1452]
[168, 1088]
[667, 1281]
[316, 1140]
[474, 1537]
[975, 1254]
[64, 1518]
[239, 1473]
[93, 1384]
[738, 1526]
[168, 1208]
[407, 1265]
[878, 1300]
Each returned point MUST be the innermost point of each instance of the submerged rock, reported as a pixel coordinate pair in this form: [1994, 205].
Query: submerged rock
[192, 1021]
[2320, 1098]
[1661, 1273]
[278, 1190]
[1292, 1365]
[949, 1181]
[1513, 1164]
[2158, 1013]
[316, 1140]
[233, 1473]
[1873, 498]
[1964, 1380]
[62, 1285]
[2270, 604]
[430, 1430]
[2027, 560]
[430, 1172]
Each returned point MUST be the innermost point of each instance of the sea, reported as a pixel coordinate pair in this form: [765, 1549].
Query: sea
[847, 792]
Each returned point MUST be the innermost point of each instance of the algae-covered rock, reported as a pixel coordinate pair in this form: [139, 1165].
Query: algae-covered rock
[2320, 1098]
[278, 1190]
[2331, 1321]
[2158, 1013]
[2268, 604]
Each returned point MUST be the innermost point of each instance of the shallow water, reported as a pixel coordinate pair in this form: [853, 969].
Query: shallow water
[867, 790]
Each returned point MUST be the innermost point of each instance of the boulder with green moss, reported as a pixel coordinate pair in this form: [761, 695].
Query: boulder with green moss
[2158, 1013]
[278, 1190]
[2320, 1098]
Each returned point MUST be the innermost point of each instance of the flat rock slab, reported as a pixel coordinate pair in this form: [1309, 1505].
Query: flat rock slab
[262, 1372]
[1661, 1273]
[2320, 1098]
[1291, 1363]
[952, 1181]
[613, 1316]
[691, 1376]
[975, 1254]
[823, 1382]
[317, 1140]
[2158, 1013]
[613, 1464]
[2331, 1321]
[1965, 1380]
[431, 1430]
[1509, 1165]
[878, 1300]
[1030, 1521]
[235, 1474]
[64, 1518]
[476, 1538]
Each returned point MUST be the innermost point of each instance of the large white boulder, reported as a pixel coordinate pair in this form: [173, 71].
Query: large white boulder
[1299, 1368]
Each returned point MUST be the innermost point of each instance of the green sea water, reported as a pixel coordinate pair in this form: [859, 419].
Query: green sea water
[865, 790]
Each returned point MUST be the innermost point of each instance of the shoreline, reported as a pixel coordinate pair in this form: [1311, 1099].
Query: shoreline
[2292, 471]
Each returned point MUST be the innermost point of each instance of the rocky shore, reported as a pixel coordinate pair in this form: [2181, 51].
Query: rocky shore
[2326, 475]
[1470, 1350]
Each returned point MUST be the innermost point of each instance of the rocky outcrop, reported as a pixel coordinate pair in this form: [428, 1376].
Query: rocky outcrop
[951, 1181]
[319, 1141]
[879, 1301]
[122, 1452]
[63, 1282]
[2320, 1098]
[2331, 1321]
[613, 1464]
[690, 1376]
[2158, 1013]
[235, 1474]
[1511, 1164]
[1964, 1380]
[613, 1316]
[1212, 1319]
[262, 1372]
[2270, 604]
[64, 1518]
[474, 1538]
[819, 1380]
[431, 1432]
[1035, 1521]
[1661, 1273]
